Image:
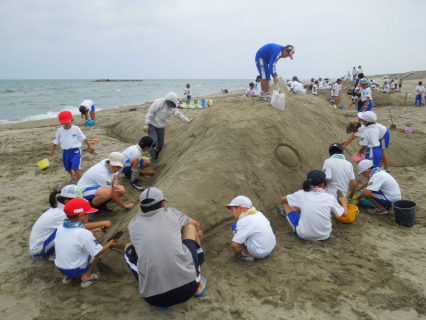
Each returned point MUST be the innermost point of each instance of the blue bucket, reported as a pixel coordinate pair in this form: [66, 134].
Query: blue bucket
[90, 123]
[203, 103]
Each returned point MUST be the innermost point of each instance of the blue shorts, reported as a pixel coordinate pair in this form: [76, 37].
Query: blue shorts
[128, 167]
[262, 67]
[380, 197]
[375, 154]
[92, 109]
[72, 159]
[77, 272]
[89, 193]
[385, 141]
[48, 247]
[188, 97]
[293, 218]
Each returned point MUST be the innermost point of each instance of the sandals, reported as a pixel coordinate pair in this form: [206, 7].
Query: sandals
[377, 211]
[87, 283]
[203, 293]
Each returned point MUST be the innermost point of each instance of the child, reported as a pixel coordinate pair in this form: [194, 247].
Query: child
[251, 90]
[309, 210]
[258, 85]
[339, 172]
[44, 230]
[419, 91]
[335, 93]
[87, 107]
[381, 188]
[134, 163]
[253, 235]
[100, 183]
[315, 88]
[187, 92]
[77, 250]
[70, 137]
[297, 87]
[366, 97]
[355, 97]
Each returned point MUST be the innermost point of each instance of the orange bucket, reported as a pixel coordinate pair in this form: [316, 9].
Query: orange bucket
[351, 216]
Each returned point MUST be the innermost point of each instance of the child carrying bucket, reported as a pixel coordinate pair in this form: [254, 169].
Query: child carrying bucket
[70, 137]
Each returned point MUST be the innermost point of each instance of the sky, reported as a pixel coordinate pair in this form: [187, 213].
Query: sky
[206, 39]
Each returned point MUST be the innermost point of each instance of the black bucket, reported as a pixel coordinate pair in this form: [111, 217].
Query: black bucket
[405, 212]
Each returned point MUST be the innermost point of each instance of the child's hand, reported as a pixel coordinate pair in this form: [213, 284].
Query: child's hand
[113, 243]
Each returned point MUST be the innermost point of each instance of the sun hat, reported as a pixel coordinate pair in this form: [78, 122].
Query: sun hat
[116, 159]
[368, 116]
[364, 165]
[78, 206]
[240, 201]
[336, 146]
[316, 177]
[65, 116]
[291, 51]
[151, 196]
[71, 191]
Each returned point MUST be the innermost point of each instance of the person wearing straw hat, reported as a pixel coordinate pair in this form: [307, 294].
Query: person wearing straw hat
[165, 253]
[253, 235]
[381, 188]
[77, 250]
[43, 232]
[100, 183]
[266, 59]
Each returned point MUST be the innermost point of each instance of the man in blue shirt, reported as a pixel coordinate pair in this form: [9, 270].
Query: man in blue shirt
[266, 59]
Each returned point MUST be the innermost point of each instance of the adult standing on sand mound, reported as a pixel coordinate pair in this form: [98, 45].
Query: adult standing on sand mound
[156, 119]
[266, 60]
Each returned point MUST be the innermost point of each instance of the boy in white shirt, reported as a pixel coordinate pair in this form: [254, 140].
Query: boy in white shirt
[309, 210]
[77, 250]
[381, 188]
[339, 172]
[335, 93]
[251, 90]
[315, 88]
[100, 183]
[253, 235]
[420, 89]
[297, 87]
[70, 138]
[187, 92]
[366, 96]
[86, 107]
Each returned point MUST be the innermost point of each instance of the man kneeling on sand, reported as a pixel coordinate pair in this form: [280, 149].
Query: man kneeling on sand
[165, 253]
[253, 235]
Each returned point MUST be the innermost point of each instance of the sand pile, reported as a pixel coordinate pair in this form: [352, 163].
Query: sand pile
[371, 269]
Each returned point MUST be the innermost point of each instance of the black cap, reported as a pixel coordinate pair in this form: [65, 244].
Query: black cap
[316, 177]
[145, 142]
[336, 148]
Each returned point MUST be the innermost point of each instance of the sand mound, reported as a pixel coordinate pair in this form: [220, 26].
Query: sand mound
[410, 75]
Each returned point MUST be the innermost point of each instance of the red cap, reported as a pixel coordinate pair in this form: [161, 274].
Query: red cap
[291, 56]
[78, 206]
[65, 116]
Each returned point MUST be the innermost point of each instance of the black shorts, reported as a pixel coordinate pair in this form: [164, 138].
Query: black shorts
[83, 110]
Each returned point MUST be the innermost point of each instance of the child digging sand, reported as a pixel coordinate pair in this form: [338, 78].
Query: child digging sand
[70, 137]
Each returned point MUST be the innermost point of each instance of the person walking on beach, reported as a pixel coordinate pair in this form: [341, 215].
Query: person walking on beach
[420, 89]
[43, 232]
[70, 137]
[253, 235]
[187, 92]
[100, 183]
[381, 188]
[309, 210]
[266, 60]
[77, 250]
[87, 107]
[135, 162]
[165, 253]
[335, 93]
[156, 119]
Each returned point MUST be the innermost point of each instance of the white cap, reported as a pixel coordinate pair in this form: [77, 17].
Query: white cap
[71, 191]
[368, 116]
[364, 165]
[151, 196]
[240, 201]
[116, 159]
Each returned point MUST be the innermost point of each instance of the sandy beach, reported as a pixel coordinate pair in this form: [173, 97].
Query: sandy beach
[371, 269]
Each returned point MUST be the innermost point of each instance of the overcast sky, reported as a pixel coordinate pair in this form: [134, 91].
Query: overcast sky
[196, 39]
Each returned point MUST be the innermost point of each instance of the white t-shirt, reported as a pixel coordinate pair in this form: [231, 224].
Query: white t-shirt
[250, 92]
[69, 138]
[74, 246]
[258, 87]
[370, 136]
[315, 89]
[87, 103]
[381, 128]
[384, 182]
[187, 92]
[45, 225]
[315, 216]
[297, 87]
[339, 172]
[420, 89]
[132, 152]
[366, 93]
[254, 230]
[335, 90]
[98, 175]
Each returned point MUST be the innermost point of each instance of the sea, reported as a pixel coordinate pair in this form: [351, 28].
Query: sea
[26, 100]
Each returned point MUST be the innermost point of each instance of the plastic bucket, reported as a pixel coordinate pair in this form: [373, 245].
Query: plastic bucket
[351, 215]
[90, 123]
[43, 164]
[405, 212]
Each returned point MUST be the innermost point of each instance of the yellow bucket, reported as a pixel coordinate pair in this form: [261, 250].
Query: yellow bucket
[43, 164]
[351, 216]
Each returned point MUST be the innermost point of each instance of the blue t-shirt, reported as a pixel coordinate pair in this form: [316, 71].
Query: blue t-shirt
[270, 53]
